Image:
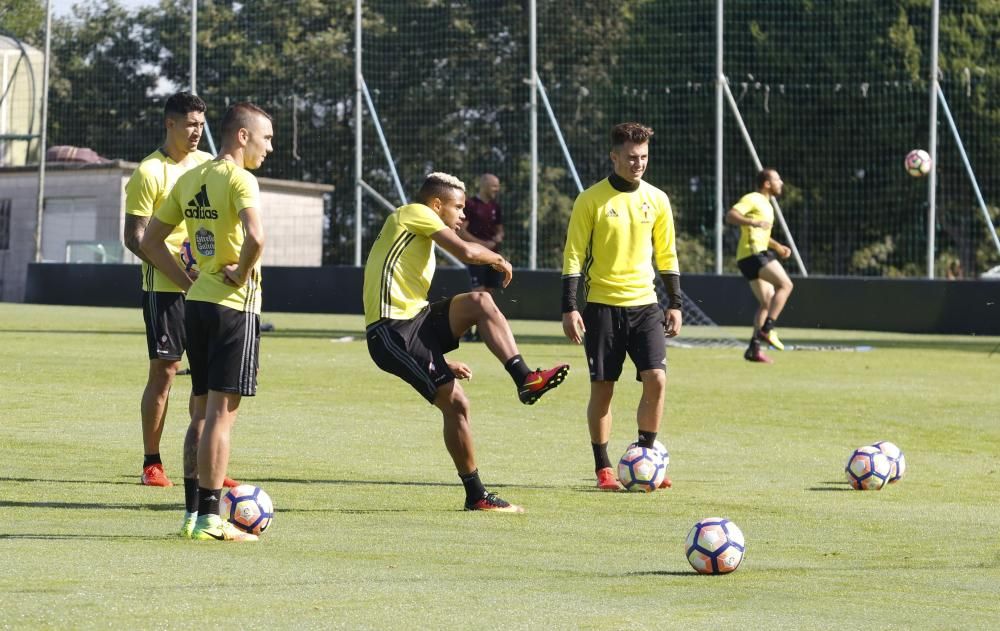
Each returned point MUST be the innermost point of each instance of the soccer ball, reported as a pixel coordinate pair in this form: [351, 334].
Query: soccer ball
[918, 163]
[659, 448]
[641, 469]
[868, 469]
[187, 256]
[248, 508]
[897, 461]
[715, 546]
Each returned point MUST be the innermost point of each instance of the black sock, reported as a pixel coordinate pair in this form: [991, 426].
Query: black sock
[768, 325]
[517, 369]
[191, 495]
[474, 489]
[208, 501]
[149, 459]
[646, 439]
[601, 460]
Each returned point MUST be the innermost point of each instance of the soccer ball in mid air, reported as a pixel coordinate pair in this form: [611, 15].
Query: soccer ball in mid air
[641, 469]
[248, 508]
[918, 163]
[868, 469]
[897, 461]
[715, 546]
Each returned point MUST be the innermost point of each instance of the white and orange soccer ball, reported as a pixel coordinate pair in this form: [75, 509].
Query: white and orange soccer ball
[868, 469]
[641, 469]
[248, 508]
[918, 163]
[897, 461]
[715, 546]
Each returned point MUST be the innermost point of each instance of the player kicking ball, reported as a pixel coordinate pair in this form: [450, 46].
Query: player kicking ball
[409, 337]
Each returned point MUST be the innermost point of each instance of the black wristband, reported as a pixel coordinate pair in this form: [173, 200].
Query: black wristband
[569, 288]
[672, 283]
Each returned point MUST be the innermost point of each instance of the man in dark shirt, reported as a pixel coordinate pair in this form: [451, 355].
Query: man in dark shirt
[484, 225]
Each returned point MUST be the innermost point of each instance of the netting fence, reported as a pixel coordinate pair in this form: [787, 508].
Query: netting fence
[833, 95]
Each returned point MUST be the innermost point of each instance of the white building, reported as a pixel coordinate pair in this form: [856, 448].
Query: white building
[84, 217]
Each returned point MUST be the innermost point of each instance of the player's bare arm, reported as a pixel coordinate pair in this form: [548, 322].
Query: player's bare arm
[135, 226]
[783, 250]
[461, 370]
[153, 245]
[573, 328]
[236, 274]
[469, 252]
[673, 319]
[464, 233]
[736, 218]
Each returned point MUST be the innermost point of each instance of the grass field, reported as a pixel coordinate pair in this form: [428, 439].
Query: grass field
[369, 531]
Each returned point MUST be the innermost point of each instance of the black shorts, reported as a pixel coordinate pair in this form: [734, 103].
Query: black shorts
[223, 348]
[614, 331]
[163, 313]
[485, 276]
[413, 350]
[751, 265]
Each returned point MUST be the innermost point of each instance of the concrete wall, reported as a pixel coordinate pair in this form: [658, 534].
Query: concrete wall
[293, 217]
[914, 306]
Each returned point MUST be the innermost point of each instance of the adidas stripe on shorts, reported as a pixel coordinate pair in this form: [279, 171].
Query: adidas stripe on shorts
[223, 348]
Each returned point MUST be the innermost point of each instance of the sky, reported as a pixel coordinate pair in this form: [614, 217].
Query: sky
[62, 7]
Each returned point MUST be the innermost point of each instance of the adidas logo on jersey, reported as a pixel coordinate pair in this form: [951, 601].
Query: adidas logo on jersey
[612, 212]
[200, 207]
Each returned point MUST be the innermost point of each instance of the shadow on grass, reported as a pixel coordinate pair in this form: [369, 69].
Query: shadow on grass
[91, 505]
[832, 486]
[75, 331]
[400, 483]
[64, 537]
[362, 511]
[53, 481]
[688, 573]
[359, 335]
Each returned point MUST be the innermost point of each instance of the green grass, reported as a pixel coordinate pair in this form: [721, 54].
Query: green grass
[369, 531]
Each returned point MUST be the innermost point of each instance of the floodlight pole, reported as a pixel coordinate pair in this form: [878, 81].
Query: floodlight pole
[720, 79]
[43, 138]
[358, 136]
[533, 124]
[194, 47]
[932, 138]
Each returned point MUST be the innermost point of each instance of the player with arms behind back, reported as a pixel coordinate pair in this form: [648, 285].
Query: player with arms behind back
[756, 256]
[219, 202]
[408, 336]
[162, 299]
[617, 227]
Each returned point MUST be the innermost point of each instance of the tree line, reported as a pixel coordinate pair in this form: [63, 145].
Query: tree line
[834, 95]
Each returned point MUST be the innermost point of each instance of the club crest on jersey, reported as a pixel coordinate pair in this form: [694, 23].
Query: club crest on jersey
[646, 210]
[204, 240]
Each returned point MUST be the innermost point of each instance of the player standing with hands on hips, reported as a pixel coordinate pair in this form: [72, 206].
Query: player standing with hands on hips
[219, 202]
[162, 300]
[617, 227]
[756, 256]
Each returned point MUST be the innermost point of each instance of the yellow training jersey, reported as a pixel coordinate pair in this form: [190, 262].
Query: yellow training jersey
[401, 264]
[208, 200]
[758, 207]
[612, 238]
[144, 193]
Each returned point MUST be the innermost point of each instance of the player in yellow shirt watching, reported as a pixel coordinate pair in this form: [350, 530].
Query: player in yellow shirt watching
[162, 300]
[756, 256]
[616, 229]
[408, 336]
[219, 202]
